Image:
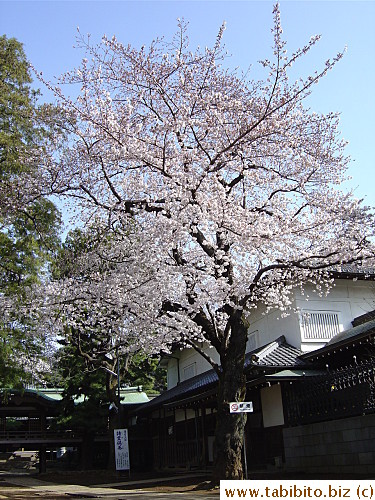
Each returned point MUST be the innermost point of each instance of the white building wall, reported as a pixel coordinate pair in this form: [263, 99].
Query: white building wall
[264, 328]
[172, 372]
[189, 364]
[347, 298]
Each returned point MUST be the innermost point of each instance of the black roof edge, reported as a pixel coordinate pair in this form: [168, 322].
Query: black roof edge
[346, 341]
[367, 274]
[363, 318]
[191, 399]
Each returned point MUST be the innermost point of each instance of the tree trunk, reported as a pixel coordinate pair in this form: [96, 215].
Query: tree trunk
[232, 387]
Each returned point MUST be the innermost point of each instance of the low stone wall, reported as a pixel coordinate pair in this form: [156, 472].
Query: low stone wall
[340, 446]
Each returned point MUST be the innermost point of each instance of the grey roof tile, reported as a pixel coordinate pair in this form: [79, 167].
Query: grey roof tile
[185, 388]
[277, 353]
[352, 332]
[364, 318]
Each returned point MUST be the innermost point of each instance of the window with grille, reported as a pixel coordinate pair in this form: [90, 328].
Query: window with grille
[319, 325]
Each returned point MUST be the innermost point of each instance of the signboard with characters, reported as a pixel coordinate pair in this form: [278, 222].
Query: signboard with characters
[122, 449]
[244, 407]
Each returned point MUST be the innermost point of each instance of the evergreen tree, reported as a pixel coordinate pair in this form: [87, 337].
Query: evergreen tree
[29, 222]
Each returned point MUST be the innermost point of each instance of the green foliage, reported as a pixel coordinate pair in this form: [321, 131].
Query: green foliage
[85, 402]
[17, 107]
[29, 222]
[26, 245]
[81, 245]
[145, 371]
[21, 359]
[88, 392]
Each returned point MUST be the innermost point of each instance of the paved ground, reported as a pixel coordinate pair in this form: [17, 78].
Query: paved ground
[23, 486]
[101, 484]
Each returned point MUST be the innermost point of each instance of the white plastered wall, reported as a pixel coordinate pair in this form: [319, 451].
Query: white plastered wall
[349, 298]
[189, 363]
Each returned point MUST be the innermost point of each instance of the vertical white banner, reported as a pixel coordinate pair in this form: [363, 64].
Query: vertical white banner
[122, 449]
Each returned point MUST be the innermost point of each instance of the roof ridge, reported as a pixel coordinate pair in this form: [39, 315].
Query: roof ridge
[270, 347]
[368, 325]
[363, 318]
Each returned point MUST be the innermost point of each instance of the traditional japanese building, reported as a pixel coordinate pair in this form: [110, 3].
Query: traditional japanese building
[311, 384]
[28, 422]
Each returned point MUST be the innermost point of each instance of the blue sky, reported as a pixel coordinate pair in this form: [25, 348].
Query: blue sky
[48, 30]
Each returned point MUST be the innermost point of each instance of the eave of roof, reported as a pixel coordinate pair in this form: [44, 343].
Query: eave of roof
[54, 396]
[30, 394]
[185, 389]
[351, 336]
[363, 318]
[350, 271]
[205, 397]
[284, 376]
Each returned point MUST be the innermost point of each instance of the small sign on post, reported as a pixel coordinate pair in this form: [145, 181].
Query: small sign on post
[244, 407]
[122, 449]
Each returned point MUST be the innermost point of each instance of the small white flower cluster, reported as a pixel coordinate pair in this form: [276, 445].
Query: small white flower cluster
[223, 191]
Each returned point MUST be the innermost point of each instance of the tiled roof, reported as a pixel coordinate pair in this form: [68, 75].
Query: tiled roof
[129, 395]
[351, 335]
[28, 396]
[285, 375]
[364, 318]
[273, 355]
[187, 388]
[349, 270]
[364, 328]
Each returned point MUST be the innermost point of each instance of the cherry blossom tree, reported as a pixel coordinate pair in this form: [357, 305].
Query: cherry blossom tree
[231, 186]
[87, 306]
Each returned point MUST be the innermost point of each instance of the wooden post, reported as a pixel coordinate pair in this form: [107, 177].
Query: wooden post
[204, 437]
